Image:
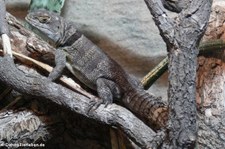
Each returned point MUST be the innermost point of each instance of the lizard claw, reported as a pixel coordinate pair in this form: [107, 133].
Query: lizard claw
[107, 102]
[94, 105]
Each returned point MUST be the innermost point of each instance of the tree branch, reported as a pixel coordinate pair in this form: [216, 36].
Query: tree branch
[4, 29]
[182, 38]
[3, 24]
[114, 115]
[164, 23]
[162, 67]
[39, 86]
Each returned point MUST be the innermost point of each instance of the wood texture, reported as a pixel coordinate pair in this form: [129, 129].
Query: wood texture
[182, 36]
[210, 85]
[59, 127]
[33, 84]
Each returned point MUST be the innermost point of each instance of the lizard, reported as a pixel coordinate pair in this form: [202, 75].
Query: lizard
[93, 67]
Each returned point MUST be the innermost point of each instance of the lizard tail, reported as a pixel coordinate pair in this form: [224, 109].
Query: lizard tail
[153, 110]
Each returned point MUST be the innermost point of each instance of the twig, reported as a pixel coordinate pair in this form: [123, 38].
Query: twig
[155, 73]
[4, 29]
[39, 86]
[161, 68]
[69, 82]
[6, 44]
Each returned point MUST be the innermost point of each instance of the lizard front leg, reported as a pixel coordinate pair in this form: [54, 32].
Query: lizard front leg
[60, 62]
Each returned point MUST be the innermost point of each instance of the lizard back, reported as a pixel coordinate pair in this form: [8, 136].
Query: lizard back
[95, 68]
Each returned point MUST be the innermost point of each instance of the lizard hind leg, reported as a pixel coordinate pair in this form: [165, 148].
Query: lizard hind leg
[107, 90]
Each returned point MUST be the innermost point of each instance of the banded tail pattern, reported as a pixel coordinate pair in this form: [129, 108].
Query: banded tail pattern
[150, 108]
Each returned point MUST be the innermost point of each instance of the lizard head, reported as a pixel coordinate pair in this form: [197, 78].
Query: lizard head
[48, 25]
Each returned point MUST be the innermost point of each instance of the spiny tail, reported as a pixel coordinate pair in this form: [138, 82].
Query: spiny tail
[150, 108]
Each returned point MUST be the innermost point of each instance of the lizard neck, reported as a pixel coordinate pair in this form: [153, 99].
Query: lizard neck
[70, 35]
[74, 37]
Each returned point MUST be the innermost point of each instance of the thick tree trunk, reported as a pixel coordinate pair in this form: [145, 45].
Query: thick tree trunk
[57, 123]
[182, 36]
[183, 114]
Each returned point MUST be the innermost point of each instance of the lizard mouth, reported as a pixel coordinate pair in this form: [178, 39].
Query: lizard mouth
[35, 23]
[43, 30]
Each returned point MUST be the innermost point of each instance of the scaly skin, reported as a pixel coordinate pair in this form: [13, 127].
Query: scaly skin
[95, 68]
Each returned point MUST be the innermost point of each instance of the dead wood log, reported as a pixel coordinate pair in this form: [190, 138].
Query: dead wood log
[114, 115]
[182, 35]
[38, 86]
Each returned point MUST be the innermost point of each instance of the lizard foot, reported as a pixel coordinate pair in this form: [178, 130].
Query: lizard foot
[52, 77]
[94, 105]
[106, 103]
[49, 80]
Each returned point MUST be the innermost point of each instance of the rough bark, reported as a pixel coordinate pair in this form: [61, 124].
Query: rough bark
[206, 120]
[3, 24]
[41, 51]
[210, 85]
[33, 120]
[182, 36]
[40, 87]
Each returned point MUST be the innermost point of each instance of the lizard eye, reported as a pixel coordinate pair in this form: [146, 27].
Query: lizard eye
[44, 19]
